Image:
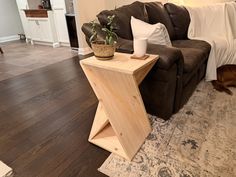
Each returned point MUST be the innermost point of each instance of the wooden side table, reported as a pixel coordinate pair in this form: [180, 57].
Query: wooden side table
[121, 123]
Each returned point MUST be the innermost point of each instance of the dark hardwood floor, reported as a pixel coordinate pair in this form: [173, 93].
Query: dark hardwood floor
[45, 120]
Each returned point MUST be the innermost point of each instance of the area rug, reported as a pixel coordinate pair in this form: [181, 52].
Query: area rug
[198, 141]
[5, 171]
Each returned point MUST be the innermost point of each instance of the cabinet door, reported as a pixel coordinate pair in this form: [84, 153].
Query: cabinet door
[22, 4]
[45, 31]
[59, 11]
[61, 27]
[34, 30]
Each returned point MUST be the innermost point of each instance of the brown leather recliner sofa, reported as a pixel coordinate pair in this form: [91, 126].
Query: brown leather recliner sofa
[180, 68]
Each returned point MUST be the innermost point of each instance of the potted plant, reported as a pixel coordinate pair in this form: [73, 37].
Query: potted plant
[104, 50]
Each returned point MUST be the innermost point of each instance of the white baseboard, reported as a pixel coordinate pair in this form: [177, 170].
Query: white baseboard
[54, 45]
[65, 44]
[9, 38]
[84, 51]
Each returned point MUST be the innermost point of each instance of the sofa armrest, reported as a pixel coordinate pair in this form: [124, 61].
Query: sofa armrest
[168, 55]
[124, 45]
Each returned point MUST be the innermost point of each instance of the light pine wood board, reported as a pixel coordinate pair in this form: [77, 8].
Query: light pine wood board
[120, 63]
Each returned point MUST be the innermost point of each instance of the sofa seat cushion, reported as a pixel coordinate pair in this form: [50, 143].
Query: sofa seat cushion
[195, 52]
[122, 18]
[196, 44]
[193, 58]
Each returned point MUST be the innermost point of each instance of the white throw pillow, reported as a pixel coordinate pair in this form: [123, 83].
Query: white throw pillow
[156, 33]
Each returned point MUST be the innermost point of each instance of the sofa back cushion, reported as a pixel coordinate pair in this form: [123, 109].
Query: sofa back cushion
[123, 16]
[180, 19]
[158, 14]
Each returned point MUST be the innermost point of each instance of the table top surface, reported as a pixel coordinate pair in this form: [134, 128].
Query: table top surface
[121, 62]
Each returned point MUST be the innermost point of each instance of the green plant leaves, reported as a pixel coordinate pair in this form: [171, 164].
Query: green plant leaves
[111, 36]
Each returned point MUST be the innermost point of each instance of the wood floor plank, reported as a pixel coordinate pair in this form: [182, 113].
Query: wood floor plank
[20, 57]
[45, 120]
[41, 129]
[32, 87]
[58, 148]
[46, 103]
[81, 166]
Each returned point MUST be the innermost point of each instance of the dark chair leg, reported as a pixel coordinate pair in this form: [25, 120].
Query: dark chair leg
[1, 50]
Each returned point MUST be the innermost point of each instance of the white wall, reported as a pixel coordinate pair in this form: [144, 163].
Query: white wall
[185, 2]
[201, 2]
[10, 23]
[86, 11]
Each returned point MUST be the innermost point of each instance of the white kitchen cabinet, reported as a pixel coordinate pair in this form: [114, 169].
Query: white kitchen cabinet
[34, 28]
[46, 31]
[61, 27]
[25, 25]
[22, 5]
[51, 30]
[59, 11]
[43, 30]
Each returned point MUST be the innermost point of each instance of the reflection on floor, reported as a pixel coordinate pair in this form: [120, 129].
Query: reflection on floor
[19, 57]
[45, 120]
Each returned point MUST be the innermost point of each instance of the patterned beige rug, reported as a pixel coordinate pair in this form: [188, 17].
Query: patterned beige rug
[199, 141]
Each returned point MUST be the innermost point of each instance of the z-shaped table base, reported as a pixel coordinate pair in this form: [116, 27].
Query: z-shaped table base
[121, 123]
